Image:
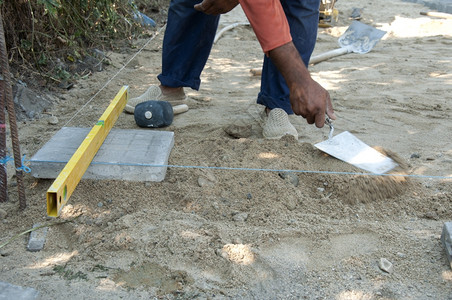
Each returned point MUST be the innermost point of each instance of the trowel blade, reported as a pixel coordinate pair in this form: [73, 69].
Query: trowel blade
[346, 147]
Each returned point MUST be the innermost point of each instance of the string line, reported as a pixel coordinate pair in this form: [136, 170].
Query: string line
[253, 169]
[27, 169]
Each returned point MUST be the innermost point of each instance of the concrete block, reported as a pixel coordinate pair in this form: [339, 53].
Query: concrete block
[37, 238]
[126, 154]
[9, 291]
[446, 239]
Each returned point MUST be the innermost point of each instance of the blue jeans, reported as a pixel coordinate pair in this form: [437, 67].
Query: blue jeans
[189, 38]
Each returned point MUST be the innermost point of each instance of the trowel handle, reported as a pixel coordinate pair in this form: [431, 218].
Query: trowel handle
[328, 55]
[178, 109]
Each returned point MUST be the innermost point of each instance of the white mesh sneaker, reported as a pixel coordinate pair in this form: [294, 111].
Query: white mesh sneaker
[153, 93]
[278, 125]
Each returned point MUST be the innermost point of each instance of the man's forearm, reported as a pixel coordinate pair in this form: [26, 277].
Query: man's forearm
[307, 98]
[289, 63]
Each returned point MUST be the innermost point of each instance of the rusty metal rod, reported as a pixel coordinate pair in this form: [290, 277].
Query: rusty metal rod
[3, 158]
[12, 116]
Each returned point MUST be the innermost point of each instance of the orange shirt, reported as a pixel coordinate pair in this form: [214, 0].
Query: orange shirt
[269, 22]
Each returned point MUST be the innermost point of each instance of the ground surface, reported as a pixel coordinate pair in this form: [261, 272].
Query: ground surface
[210, 233]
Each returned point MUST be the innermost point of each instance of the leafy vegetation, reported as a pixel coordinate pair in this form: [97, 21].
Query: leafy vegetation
[47, 36]
[68, 274]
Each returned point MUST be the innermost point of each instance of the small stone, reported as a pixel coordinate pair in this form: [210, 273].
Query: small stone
[240, 217]
[3, 214]
[289, 176]
[100, 204]
[37, 238]
[31, 114]
[401, 255]
[224, 254]
[292, 222]
[238, 131]
[53, 120]
[431, 215]
[237, 241]
[219, 252]
[290, 203]
[249, 196]
[204, 182]
[415, 155]
[446, 240]
[385, 265]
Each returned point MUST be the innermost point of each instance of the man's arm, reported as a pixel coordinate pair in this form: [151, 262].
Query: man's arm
[307, 98]
[215, 7]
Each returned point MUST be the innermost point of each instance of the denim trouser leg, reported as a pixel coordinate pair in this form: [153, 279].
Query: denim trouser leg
[303, 18]
[187, 43]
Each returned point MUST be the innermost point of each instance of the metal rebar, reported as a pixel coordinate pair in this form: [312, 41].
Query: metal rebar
[3, 175]
[12, 116]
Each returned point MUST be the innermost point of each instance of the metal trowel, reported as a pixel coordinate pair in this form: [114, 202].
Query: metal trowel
[346, 147]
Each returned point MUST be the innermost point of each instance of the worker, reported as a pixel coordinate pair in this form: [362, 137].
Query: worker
[286, 31]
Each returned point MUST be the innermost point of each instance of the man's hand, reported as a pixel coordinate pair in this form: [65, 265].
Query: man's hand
[307, 98]
[216, 7]
[311, 101]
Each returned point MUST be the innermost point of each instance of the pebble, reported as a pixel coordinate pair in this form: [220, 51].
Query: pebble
[100, 204]
[3, 214]
[203, 182]
[292, 222]
[415, 155]
[237, 241]
[291, 177]
[37, 238]
[290, 203]
[240, 217]
[385, 265]
[31, 114]
[431, 215]
[53, 120]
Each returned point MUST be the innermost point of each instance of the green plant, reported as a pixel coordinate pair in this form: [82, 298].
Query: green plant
[41, 34]
[69, 274]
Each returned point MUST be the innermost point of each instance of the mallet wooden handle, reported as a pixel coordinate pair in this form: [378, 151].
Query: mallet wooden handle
[178, 109]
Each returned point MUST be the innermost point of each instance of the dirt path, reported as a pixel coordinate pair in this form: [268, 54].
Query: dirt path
[209, 233]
